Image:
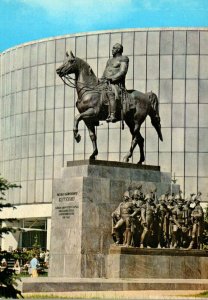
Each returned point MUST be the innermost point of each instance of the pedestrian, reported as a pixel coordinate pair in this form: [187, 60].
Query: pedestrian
[33, 265]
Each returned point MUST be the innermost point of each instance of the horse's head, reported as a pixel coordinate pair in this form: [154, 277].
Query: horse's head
[68, 66]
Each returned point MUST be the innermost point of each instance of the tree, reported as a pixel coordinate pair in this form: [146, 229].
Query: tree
[7, 276]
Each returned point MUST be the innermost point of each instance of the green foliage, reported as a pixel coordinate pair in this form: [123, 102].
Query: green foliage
[7, 276]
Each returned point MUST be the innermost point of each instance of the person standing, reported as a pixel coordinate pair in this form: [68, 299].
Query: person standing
[34, 265]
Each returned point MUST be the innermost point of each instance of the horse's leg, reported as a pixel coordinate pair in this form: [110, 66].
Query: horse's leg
[140, 141]
[87, 114]
[132, 127]
[133, 145]
[136, 139]
[93, 137]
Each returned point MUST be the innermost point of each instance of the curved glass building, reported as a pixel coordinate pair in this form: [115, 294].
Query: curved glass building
[37, 113]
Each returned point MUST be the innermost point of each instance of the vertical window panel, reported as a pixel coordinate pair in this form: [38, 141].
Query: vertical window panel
[165, 66]
[59, 119]
[49, 144]
[178, 139]
[191, 164]
[191, 115]
[32, 145]
[48, 167]
[40, 145]
[178, 164]
[203, 139]
[178, 115]
[42, 53]
[58, 143]
[103, 49]
[203, 163]
[203, 67]
[192, 66]
[203, 42]
[40, 121]
[50, 97]
[81, 47]
[127, 42]
[68, 142]
[191, 139]
[192, 42]
[92, 40]
[34, 54]
[70, 44]
[191, 185]
[203, 113]
[114, 140]
[49, 120]
[153, 42]
[31, 192]
[33, 95]
[41, 75]
[50, 52]
[31, 169]
[60, 50]
[153, 67]
[165, 91]
[192, 91]
[39, 167]
[166, 42]
[179, 91]
[140, 43]
[25, 101]
[140, 67]
[41, 99]
[47, 190]
[39, 191]
[179, 66]
[50, 74]
[179, 46]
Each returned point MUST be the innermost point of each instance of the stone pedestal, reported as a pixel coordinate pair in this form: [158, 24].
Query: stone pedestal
[83, 201]
[157, 263]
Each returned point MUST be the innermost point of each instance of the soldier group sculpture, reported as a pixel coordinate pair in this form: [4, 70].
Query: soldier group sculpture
[168, 222]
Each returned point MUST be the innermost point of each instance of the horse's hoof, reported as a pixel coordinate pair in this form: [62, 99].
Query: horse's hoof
[92, 157]
[125, 159]
[78, 138]
[140, 162]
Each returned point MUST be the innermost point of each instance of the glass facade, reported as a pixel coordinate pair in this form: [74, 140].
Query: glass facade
[37, 110]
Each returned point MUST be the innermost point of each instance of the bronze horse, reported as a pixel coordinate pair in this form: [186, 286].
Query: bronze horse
[93, 108]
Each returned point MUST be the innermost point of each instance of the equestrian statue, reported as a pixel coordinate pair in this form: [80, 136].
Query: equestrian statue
[108, 99]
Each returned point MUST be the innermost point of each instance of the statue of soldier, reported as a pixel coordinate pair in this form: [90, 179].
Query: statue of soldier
[126, 210]
[148, 211]
[114, 76]
[138, 201]
[197, 217]
[164, 227]
[180, 226]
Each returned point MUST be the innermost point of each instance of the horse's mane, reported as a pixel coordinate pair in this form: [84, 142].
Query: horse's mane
[90, 77]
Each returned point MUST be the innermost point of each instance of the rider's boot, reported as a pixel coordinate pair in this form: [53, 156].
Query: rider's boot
[111, 118]
[112, 111]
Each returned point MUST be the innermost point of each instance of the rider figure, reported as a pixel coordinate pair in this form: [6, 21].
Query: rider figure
[114, 75]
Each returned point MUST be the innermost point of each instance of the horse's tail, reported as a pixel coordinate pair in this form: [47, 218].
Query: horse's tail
[154, 114]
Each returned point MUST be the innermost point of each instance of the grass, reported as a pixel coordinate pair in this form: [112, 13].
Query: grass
[202, 295]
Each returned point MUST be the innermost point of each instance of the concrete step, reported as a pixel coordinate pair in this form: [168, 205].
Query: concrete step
[57, 284]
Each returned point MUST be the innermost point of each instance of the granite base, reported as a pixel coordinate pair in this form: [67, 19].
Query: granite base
[83, 201]
[130, 262]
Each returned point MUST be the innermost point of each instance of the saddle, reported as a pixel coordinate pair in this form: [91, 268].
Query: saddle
[122, 96]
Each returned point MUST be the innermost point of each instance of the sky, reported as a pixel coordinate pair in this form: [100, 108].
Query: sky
[23, 21]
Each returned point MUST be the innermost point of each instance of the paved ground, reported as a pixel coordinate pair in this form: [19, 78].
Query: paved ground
[153, 294]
